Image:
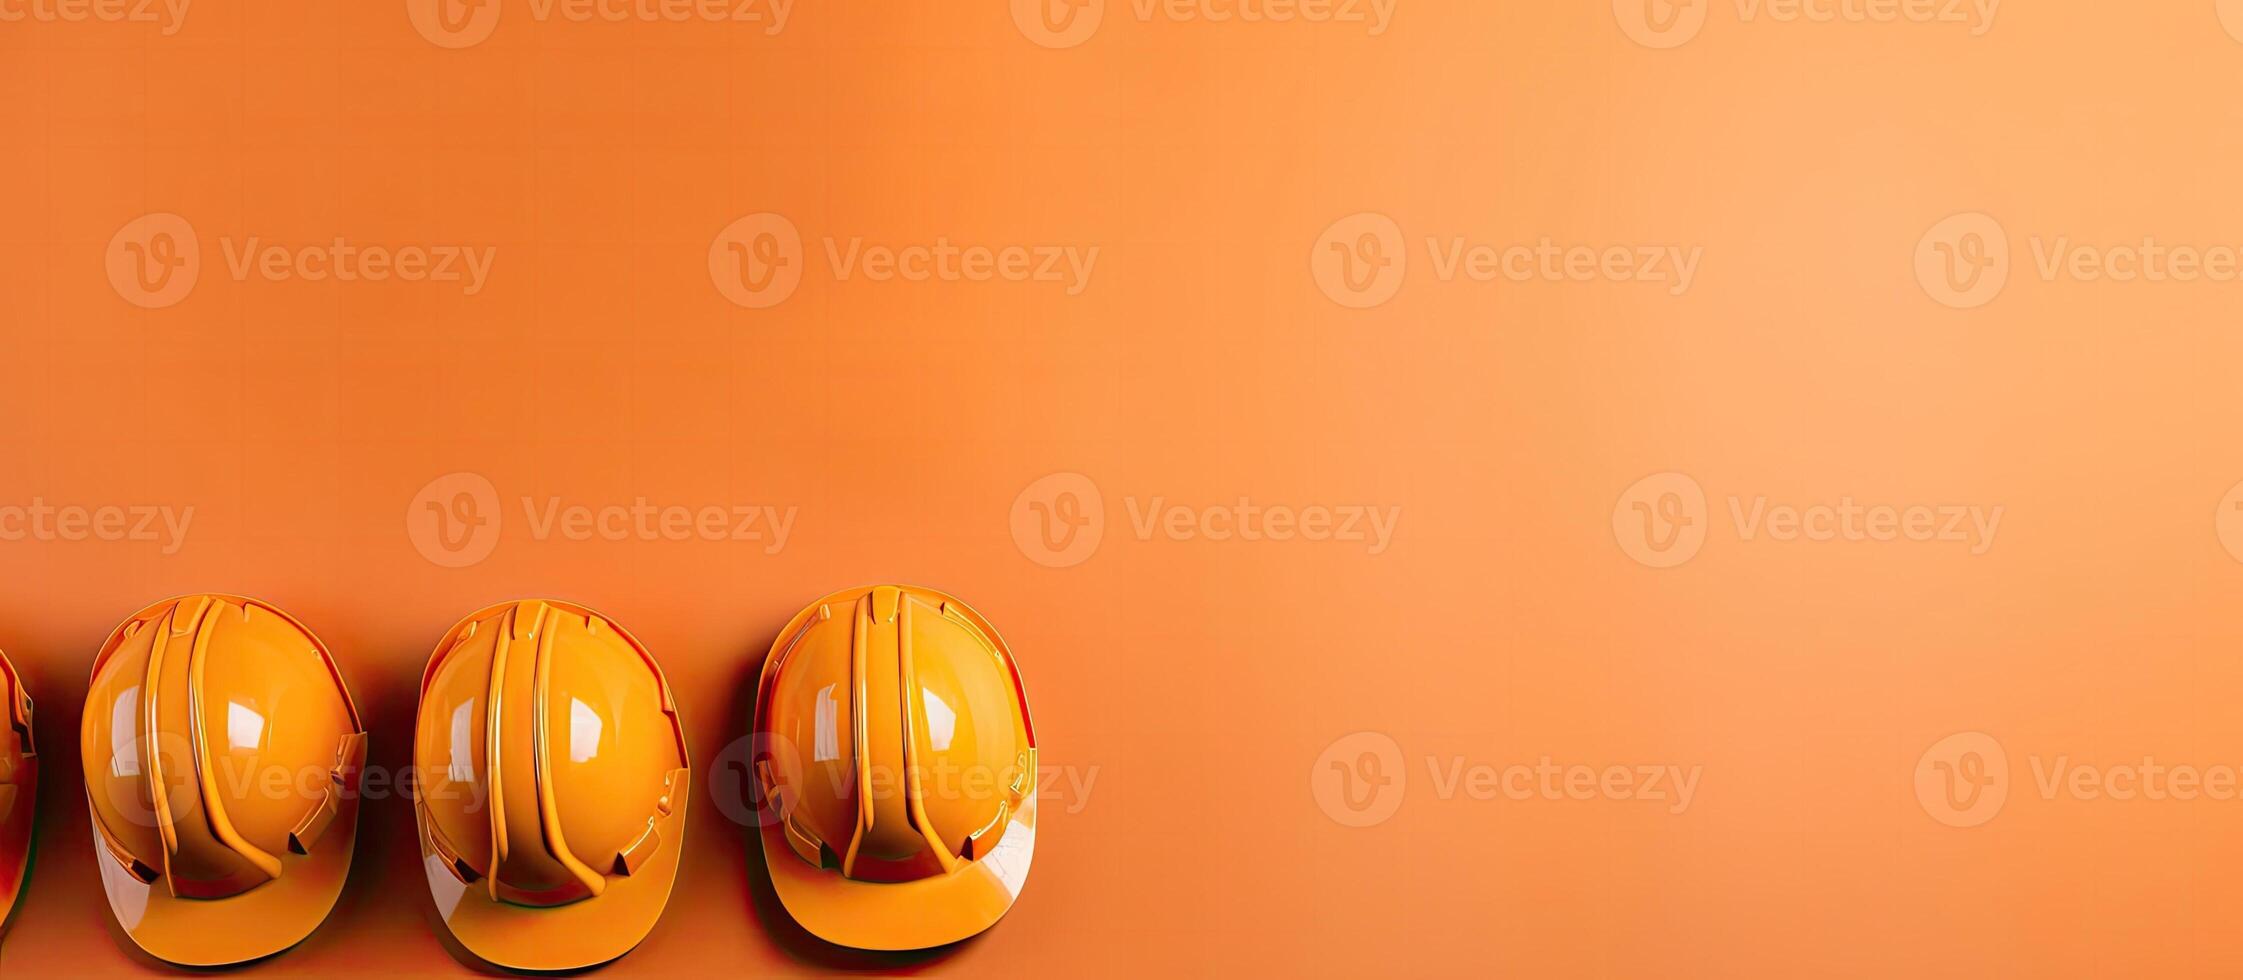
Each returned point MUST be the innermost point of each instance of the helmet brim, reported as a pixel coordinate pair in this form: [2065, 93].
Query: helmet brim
[265, 920]
[566, 937]
[905, 915]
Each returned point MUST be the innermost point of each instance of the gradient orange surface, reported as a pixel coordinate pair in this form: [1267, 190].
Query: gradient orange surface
[1205, 689]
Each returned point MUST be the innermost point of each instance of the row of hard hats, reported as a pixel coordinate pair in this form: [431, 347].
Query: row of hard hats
[223, 761]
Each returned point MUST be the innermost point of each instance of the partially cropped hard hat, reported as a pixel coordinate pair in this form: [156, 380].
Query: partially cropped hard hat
[222, 756]
[19, 786]
[553, 784]
[896, 749]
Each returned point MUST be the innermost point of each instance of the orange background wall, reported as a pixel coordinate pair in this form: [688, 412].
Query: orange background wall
[1201, 682]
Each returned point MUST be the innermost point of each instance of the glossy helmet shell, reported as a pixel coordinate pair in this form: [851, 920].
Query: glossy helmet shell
[894, 743]
[554, 780]
[222, 757]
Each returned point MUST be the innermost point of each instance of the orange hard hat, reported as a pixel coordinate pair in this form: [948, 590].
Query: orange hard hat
[896, 749]
[222, 756]
[19, 786]
[553, 781]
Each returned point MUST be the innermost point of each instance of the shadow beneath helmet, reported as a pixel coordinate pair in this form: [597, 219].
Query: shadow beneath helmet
[23, 885]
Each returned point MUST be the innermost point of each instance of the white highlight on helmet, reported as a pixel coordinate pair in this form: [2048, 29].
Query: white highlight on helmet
[826, 746]
[942, 722]
[584, 731]
[124, 741]
[462, 769]
[245, 728]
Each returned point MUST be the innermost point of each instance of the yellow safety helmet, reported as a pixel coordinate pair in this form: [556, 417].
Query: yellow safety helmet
[222, 759]
[897, 752]
[553, 781]
[19, 786]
